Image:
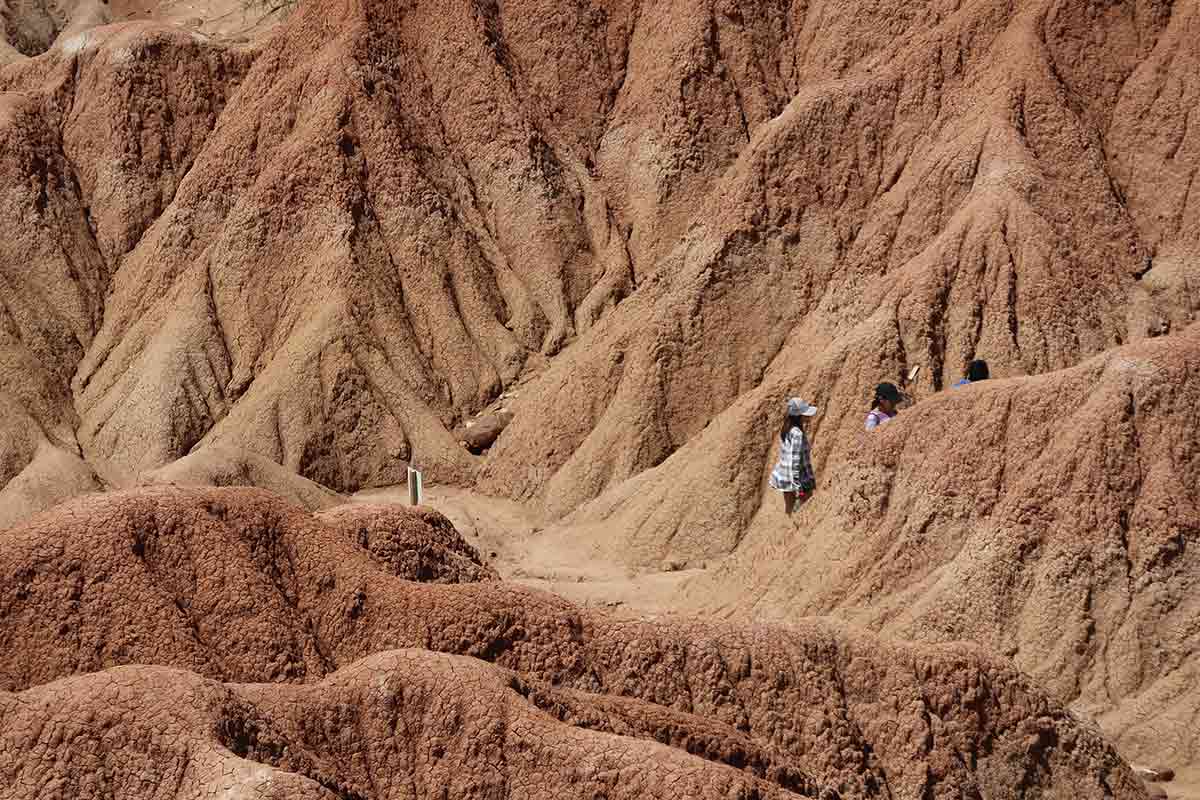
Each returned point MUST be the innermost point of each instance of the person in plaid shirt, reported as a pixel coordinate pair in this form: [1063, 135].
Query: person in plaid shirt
[793, 474]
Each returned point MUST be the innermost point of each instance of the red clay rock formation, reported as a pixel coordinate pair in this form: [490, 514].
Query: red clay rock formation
[334, 278]
[1052, 518]
[330, 248]
[236, 586]
[416, 544]
[86, 165]
[467, 730]
[914, 185]
[218, 466]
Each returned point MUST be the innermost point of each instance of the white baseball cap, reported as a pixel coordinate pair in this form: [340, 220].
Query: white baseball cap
[798, 408]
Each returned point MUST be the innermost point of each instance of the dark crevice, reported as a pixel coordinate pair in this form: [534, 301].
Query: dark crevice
[1013, 297]
[671, 728]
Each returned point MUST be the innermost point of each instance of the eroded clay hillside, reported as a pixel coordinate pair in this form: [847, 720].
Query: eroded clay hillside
[303, 260]
[330, 247]
[370, 654]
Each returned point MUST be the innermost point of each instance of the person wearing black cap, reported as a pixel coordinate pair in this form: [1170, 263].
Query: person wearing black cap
[793, 473]
[977, 371]
[887, 398]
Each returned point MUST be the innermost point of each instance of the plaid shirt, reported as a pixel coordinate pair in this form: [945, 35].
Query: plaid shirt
[794, 471]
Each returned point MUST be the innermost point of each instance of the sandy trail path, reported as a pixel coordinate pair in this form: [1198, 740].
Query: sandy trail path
[515, 539]
[221, 18]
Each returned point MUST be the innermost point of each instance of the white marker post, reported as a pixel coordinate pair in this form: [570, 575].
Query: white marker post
[414, 487]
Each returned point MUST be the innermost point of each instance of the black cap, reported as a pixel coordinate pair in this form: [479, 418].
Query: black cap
[887, 391]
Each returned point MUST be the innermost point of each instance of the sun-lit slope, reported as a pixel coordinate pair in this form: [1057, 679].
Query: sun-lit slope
[331, 247]
[235, 585]
[954, 193]
[1051, 518]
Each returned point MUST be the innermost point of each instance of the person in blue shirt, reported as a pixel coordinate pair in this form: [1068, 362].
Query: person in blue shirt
[977, 371]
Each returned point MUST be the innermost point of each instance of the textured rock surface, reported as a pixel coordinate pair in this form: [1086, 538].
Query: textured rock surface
[304, 248]
[233, 585]
[414, 543]
[330, 248]
[467, 731]
[915, 184]
[218, 466]
[1052, 519]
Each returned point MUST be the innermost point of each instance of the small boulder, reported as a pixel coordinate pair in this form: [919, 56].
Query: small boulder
[482, 433]
[1156, 774]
